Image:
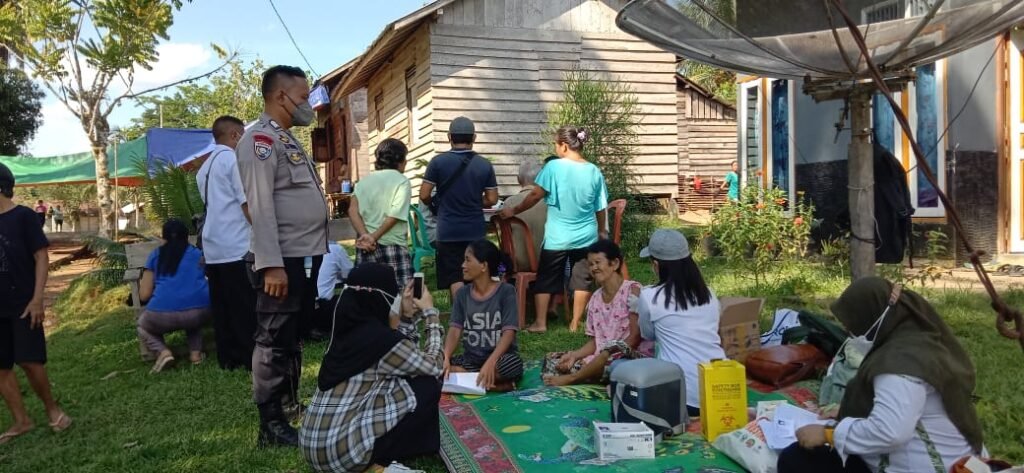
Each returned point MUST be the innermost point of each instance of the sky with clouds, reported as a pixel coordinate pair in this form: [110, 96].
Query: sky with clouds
[330, 32]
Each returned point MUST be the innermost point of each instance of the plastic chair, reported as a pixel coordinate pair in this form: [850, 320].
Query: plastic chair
[522, 276]
[420, 240]
[618, 208]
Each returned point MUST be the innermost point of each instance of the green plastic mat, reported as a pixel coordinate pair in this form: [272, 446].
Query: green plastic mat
[546, 429]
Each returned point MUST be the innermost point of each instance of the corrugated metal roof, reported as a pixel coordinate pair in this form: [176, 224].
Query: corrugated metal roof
[390, 39]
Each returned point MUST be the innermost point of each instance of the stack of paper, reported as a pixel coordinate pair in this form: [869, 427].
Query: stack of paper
[780, 432]
[462, 383]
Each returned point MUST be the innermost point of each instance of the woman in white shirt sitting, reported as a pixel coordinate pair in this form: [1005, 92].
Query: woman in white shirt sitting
[910, 406]
[680, 314]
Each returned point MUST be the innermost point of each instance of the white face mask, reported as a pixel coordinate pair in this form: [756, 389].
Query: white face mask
[863, 343]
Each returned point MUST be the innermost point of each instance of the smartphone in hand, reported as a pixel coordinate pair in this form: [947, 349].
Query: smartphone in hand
[417, 286]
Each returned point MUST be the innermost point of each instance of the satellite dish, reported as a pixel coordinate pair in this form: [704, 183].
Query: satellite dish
[840, 49]
[797, 39]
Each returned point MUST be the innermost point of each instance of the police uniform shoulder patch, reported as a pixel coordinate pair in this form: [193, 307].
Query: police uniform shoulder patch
[263, 146]
[284, 138]
[295, 158]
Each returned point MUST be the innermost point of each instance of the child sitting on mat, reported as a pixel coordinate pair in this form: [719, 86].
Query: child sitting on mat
[485, 316]
[612, 327]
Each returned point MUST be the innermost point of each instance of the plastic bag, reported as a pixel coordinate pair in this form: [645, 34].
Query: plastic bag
[748, 447]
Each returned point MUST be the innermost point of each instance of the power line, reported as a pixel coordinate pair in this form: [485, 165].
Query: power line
[294, 43]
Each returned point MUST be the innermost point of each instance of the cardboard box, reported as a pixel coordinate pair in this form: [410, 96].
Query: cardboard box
[623, 441]
[723, 397]
[739, 326]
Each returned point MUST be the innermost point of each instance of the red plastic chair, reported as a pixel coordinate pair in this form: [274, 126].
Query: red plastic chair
[618, 208]
[522, 276]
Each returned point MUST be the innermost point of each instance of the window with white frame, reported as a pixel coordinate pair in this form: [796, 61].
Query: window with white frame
[926, 111]
[882, 11]
[767, 131]
[751, 154]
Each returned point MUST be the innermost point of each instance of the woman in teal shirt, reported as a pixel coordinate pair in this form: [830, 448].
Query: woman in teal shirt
[577, 199]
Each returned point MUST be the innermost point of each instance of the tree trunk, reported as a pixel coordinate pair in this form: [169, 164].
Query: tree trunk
[98, 138]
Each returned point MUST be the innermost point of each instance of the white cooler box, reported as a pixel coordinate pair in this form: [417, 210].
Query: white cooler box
[650, 391]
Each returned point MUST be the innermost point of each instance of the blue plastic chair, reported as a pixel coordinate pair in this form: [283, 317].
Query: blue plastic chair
[420, 241]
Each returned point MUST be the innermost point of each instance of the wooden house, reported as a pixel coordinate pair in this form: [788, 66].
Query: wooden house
[500, 63]
[707, 146]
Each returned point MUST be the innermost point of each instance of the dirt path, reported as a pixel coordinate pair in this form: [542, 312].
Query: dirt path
[60, 279]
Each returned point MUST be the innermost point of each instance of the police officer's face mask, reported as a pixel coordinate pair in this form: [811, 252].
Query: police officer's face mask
[302, 114]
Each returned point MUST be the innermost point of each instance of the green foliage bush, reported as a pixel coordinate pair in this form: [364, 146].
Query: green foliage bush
[762, 233]
[170, 192]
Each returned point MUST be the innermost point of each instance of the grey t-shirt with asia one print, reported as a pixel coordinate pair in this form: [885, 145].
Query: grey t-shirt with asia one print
[483, 320]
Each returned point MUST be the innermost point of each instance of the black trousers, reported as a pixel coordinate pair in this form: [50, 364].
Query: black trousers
[796, 459]
[233, 300]
[419, 432]
[277, 358]
[323, 316]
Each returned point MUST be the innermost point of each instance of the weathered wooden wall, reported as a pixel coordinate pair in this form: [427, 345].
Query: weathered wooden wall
[556, 15]
[707, 147]
[357, 134]
[502, 62]
[386, 95]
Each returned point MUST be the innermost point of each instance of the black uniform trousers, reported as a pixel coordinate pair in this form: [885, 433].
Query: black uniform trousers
[277, 358]
[233, 300]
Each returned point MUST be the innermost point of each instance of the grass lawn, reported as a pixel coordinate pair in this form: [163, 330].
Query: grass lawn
[202, 419]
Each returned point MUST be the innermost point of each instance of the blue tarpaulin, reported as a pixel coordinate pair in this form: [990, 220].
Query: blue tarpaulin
[175, 146]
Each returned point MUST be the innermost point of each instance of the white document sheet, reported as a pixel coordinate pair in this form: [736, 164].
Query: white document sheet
[780, 432]
[462, 383]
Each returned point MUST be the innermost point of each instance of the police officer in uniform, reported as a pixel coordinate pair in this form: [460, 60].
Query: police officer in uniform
[289, 237]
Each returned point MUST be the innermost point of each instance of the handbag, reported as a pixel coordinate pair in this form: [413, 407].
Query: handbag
[783, 365]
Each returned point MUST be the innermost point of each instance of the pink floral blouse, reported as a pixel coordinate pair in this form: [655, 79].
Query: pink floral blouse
[608, 322]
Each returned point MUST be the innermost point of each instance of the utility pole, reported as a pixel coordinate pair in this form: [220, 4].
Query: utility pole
[861, 185]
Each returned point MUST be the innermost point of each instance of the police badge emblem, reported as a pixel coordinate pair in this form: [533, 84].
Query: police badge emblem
[295, 158]
[263, 146]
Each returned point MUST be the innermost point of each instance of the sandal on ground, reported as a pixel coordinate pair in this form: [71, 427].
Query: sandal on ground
[161, 363]
[202, 358]
[62, 423]
[8, 436]
[396, 467]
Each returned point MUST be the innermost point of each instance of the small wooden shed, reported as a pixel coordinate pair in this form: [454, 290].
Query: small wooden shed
[501, 63]
[707, 145]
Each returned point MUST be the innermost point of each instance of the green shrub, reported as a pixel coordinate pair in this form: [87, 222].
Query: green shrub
[170, 192]
[762, 233]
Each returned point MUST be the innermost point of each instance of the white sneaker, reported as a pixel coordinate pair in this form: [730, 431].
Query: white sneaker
[396, 467]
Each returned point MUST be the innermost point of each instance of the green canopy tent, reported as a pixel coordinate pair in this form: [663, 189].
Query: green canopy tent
[79, 168]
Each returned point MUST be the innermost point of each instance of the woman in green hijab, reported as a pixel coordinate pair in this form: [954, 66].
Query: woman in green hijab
[909, 408]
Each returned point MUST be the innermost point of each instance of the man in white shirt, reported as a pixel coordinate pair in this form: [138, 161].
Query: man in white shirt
[333, 271]
[226, 236]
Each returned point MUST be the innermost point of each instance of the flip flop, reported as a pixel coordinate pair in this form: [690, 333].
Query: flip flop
[162, 363]
[202, 358]
[8, 436]
[62, 423]
[533, 330]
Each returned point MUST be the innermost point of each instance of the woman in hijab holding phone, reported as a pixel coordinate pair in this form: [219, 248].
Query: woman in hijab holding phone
[377, 393]
[909, 408]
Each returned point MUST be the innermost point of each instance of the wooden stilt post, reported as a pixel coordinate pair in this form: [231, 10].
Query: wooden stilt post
[861, 185]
